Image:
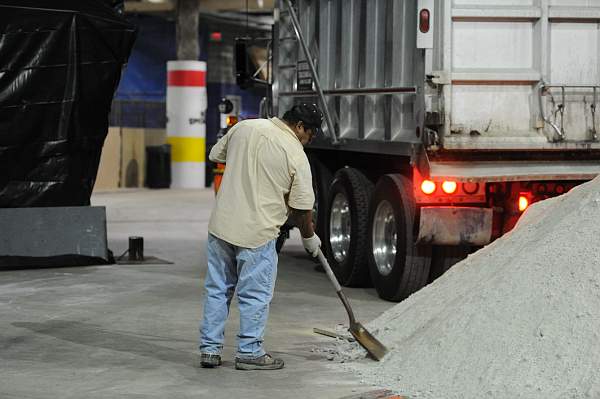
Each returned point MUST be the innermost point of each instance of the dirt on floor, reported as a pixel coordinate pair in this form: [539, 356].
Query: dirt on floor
[518, 319]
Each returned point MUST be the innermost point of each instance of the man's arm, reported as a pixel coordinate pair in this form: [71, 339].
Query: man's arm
[218, 153]
[303, 220]
[301, 200]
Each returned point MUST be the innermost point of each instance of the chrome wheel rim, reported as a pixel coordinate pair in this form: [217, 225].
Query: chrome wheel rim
[339, 227]
[384, 238]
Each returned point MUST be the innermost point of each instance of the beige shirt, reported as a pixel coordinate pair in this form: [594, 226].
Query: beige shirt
[266, 171]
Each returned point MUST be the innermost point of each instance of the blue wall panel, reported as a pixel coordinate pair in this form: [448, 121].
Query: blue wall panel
[146, 73]
[142, 91]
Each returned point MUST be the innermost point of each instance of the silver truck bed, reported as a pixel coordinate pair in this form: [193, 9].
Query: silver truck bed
[490, 76]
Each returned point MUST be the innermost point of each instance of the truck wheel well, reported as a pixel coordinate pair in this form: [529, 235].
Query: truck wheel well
[373, 166]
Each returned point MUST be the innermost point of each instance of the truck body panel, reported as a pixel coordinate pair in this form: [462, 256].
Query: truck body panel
[501, 76]
[451, 117]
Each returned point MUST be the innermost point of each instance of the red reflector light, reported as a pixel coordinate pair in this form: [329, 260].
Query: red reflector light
[523, 203]
[424, 20]
[449, 187]
[428, 187]
[472, 188]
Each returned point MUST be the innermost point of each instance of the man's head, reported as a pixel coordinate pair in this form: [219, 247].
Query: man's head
[305, 120]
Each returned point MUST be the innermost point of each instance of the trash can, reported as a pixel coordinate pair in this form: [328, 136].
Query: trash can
[158, 166]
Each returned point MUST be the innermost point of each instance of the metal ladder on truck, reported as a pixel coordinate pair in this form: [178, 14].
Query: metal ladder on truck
[288, 30]
[283, 9]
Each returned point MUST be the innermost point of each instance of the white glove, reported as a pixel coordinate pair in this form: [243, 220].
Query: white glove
[312, 244]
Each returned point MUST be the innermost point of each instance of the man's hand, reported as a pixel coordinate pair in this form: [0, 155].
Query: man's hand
[312, 244]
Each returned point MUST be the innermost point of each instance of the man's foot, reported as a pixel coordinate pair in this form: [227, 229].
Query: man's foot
[265, 362]
[210, 360]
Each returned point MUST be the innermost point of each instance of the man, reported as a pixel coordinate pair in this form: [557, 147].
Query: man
[267, 174]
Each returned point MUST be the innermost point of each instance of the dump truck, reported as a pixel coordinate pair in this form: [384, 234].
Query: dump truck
[444, 121]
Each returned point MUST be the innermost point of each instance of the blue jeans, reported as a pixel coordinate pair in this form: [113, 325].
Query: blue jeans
[253, 272]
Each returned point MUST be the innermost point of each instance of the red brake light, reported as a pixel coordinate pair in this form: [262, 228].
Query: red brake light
[523, 203]
[424, 20]
[449, 187]
[428, 187]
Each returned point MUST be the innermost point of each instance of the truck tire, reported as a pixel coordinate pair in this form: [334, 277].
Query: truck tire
[443, 257]
[347, 223]
[322, 178]
[398, 267]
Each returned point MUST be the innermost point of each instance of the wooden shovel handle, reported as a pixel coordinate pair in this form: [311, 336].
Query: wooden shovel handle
[338, 287]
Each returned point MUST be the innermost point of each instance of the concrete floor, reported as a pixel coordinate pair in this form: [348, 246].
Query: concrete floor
[125, 331]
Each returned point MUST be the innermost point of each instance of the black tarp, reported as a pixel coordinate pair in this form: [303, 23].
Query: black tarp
[60, 64]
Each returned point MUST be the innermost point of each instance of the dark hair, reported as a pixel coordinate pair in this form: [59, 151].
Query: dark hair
[309, 114]
[291, 117]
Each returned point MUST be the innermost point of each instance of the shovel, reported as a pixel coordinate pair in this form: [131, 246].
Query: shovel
[375, 348]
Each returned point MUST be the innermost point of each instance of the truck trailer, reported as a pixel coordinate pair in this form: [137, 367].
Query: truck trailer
[445, 120]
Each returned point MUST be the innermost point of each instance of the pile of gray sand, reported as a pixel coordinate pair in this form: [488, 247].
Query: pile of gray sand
[518, 319]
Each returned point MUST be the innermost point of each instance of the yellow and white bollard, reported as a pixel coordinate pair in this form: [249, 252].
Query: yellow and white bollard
[186, 124]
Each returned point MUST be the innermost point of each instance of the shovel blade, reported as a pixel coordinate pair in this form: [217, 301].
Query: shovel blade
[375, 348]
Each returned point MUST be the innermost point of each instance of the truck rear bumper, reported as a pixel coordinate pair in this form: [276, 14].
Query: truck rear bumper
[514, 170]
[455, 226]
